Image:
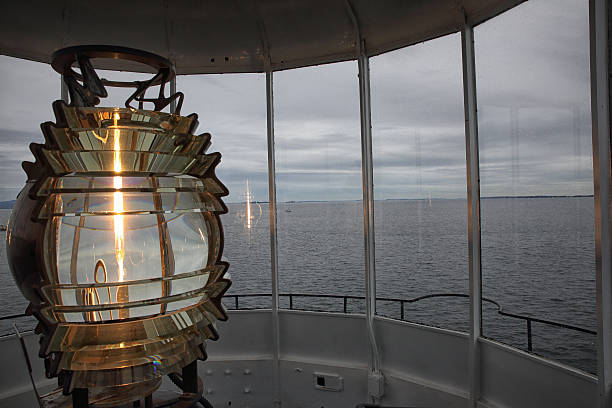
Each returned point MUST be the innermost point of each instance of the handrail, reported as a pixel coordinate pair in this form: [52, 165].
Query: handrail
[14, 316]
[528, 319]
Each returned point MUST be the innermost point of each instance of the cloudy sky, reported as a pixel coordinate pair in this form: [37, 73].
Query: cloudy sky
[533, 100]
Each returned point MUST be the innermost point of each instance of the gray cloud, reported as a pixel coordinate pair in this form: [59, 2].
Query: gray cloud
[534, 116]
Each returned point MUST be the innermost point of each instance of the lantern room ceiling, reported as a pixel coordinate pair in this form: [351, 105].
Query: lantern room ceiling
[217, 36]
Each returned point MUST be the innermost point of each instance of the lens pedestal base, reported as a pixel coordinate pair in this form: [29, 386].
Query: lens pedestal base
[189, 382]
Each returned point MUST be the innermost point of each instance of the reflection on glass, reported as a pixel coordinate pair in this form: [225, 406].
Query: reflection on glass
[318, 171]
[536, 178]
[248, 215]
[251, 212]
[419, 183]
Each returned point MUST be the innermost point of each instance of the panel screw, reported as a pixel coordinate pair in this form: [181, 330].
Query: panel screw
[247, 371]
[227, 371]
[247, 390]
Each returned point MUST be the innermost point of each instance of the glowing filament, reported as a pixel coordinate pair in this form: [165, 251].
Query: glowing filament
[118, 204]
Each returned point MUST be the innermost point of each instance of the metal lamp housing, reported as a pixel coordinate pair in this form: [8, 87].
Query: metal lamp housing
[116, 242]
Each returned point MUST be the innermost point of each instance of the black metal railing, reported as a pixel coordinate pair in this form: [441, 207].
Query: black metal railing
[8, 330]
[402, 302]
[13, 316]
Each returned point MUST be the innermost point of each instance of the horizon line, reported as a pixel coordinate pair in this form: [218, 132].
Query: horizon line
[417, 199]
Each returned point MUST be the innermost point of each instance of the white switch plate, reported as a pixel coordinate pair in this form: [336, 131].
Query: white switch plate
[328, 382]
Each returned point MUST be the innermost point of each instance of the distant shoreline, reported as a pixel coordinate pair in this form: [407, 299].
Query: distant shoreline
[419, 199]
[8, 205]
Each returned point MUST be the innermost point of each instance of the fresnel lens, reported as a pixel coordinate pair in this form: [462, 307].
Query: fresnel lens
[115, 239]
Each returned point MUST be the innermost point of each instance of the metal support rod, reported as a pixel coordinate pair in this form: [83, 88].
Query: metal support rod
[529, 343]
[367, 184]
[368, 203]
[190, 377]
[172, 92]
[345, 301]
[63, 90]
[273, 233]
[402, 310]
[473, 205]
[80, 398]
[599, 28]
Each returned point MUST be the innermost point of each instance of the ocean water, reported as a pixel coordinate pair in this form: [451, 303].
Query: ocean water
[537, 259]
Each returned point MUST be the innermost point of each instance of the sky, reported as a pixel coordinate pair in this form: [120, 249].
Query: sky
[533, 106]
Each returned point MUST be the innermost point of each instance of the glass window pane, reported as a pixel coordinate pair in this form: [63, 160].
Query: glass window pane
[538, 256]
[420, 183]
[28, 89]
[232, 108]
[318, 172]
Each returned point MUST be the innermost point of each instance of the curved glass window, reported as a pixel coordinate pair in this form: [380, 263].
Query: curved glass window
[538, 257]
[232, 109]
[318, 173]
[28, 88]
[419, 183]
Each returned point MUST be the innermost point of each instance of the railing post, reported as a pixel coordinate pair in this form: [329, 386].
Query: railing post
[529, 346]
[290, 301]
[345, 300]
[64, 91]
[236, 301]
[172, 92]
[402, 310]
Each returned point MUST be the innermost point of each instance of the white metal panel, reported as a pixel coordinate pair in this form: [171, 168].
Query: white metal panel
[426, 354]
[512, 378]
[300, 390]
[246, 335]
[324, 337]
[235, 383]
[403, 391]
[15, 385]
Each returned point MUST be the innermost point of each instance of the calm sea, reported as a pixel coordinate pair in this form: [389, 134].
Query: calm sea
[537, 260]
